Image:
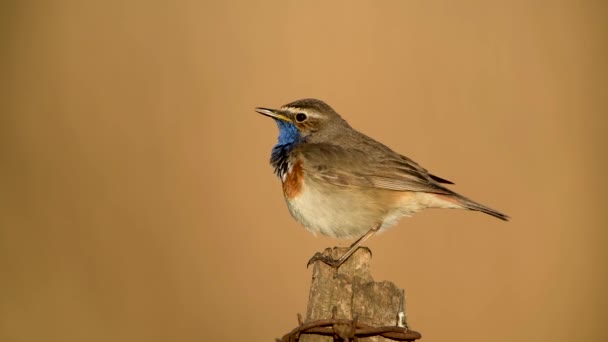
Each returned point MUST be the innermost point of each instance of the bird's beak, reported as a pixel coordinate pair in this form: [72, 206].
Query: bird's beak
[273, 113]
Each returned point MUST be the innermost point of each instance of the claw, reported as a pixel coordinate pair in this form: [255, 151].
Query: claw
[335, 263]
[314, 259]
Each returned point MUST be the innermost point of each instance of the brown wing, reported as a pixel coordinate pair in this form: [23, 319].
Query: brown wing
[349, 167]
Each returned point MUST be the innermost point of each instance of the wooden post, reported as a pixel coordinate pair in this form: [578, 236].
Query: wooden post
[350, 293]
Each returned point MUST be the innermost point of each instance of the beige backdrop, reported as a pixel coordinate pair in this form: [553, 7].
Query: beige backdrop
[137, 203]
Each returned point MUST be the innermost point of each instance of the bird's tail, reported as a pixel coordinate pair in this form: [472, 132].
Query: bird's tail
[472, 205]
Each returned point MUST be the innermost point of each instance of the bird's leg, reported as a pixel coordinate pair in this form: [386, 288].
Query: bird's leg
[335, 263]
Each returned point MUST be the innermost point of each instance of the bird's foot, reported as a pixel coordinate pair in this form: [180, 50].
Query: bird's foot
[335, 263]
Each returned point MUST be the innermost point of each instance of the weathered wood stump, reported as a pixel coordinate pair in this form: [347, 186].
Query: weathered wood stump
[350, 293]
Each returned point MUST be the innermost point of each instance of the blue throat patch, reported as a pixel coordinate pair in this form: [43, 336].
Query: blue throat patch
[289, 136]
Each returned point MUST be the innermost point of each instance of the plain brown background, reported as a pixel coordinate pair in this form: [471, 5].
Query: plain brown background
[137, 203]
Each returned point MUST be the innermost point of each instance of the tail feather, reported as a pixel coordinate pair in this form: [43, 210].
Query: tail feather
[472, 205]
[440, 180]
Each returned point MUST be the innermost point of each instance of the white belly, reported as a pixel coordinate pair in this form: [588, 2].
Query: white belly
[349, 213]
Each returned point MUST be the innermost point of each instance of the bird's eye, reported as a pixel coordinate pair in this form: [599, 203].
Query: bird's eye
[301, 117]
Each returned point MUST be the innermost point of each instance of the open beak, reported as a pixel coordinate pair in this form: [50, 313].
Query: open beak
[273, 113]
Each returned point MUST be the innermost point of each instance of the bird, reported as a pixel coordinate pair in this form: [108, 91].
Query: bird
[341, 183]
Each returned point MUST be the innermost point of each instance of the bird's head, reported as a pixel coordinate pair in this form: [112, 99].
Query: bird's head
[308, 119]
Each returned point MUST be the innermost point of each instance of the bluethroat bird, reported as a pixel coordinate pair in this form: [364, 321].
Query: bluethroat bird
[341, 183]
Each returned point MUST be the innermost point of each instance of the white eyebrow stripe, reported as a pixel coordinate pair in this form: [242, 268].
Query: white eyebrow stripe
[290, 109]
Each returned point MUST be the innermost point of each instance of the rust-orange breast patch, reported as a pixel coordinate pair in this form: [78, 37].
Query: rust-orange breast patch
[292, 186]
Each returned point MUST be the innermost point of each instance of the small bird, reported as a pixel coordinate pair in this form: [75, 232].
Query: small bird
[341, 183]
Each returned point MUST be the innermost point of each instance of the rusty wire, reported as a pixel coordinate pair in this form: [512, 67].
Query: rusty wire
[347, 330]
